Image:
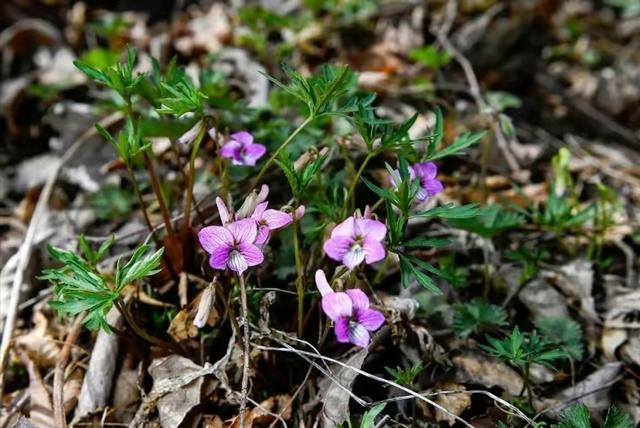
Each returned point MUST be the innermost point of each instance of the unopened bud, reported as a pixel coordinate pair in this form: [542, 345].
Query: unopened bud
[207, 299]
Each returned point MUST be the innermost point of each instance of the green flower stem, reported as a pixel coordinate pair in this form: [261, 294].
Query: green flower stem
[299, 277]
[191, 177]
[140, 332]
[348, 200]
[245, 348]
[155, 185]
[136, 190]
[275, 154]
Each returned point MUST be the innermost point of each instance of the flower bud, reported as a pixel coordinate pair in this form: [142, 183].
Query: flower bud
[207, 299]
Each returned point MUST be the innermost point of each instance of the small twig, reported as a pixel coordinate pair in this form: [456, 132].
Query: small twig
[371, 376]
[58, 377]
[27, 246]
[245, 350]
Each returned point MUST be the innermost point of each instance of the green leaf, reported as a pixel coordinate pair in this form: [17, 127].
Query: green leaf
[491, 220]
[407, 269]
[462, 142]
[565, 333]
[431, 56]
[477, 316]
[426, 242]
[385, 194]
[575, 417]
[369, 417]
[139, 265]
[451, 211]
[616, 418]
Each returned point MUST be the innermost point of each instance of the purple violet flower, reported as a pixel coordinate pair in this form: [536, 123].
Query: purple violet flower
[425, 172]
[350, 312]
[232, 246]
[429, 185]
[269, 220]
[242, 150]
[356, 240]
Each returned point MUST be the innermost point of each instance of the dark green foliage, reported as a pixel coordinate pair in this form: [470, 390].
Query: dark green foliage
[79, 287]
[477, 316]
[565, 333]
[522, 350]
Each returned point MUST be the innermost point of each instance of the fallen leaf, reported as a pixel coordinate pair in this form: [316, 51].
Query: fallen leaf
[593, 391]
[335, 399]
[181, 327]
[454, 403]
[39, 343]
[126, 394]
[174, 406]
[476, 368]
[542, 300]
[40, 407]
[623, 310]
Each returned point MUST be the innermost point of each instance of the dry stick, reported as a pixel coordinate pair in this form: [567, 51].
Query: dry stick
[370, 376]
[246, 344]
[26, 248]
[472, 80]
[58, 376]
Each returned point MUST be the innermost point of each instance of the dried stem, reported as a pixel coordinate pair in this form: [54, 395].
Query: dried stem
[58, 377]
[140, 332]
[299, 277]
[245, 350]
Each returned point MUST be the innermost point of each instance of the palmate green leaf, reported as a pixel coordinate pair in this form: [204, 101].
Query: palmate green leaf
[477, 316]
[462, 142]
[617, 418]
[575, 417]
[565, 333]
[320, 90]
[451, 211]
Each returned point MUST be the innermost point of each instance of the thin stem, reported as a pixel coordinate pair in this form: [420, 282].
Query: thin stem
[191, 177]
[299, 278]
[275, 154]
[58, 376]
[246, 343]
[155, 184]
[354, 183]
[136, 190]
[140, 332]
